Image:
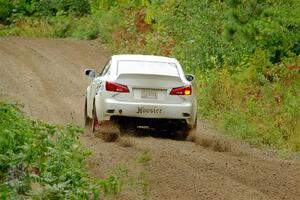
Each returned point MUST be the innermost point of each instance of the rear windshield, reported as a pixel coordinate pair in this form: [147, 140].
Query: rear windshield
[147, 67]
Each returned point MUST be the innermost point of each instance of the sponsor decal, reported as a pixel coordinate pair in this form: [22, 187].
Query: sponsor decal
[142, 110]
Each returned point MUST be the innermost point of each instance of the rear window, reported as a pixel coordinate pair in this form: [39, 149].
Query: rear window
[147, 67]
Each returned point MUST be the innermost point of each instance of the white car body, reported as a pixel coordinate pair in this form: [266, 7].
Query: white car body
[149, 81]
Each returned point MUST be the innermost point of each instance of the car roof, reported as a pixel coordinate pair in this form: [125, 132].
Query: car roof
[137, 57]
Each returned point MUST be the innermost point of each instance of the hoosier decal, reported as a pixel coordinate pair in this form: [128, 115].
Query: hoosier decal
[142, 110]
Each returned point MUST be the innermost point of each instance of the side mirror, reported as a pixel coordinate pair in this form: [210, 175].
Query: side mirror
[90, 73]
[190, 77]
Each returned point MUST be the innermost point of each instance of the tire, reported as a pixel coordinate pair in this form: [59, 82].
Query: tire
[108, 131]
[94, 121]
[87, 120]
[183, 133]
[186, 131]
[126, 126]
[196, 123]
[191, 132]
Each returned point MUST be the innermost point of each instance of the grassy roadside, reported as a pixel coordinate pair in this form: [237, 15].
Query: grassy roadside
[245, 54]
[44, 161]
[59, 26]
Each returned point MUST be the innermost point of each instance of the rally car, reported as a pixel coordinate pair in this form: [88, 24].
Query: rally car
[144, 91]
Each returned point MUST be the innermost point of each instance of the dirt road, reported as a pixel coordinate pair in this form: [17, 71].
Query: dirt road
[47, 76]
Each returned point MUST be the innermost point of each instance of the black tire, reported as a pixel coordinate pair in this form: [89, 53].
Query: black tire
[94, 119]
[196, 123]
[109, 131]
[183, 133]
[87, 120]
[126, 125]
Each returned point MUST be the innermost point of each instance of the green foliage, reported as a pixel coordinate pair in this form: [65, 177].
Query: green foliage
[11, 9]
[197, 28]
[5, 10]
[260, 105]
[34, 154]
[86, 29]
[61, 24]
[44, 161]
[145, 158]
[73, 7]
[270, 25]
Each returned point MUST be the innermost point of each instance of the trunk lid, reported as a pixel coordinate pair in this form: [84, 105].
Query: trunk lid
[149, 88]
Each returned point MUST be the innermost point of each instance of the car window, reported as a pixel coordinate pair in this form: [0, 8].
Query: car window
[147, 67]
[105, 68]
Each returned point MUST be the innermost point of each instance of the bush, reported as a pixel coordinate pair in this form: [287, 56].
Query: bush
[41, 8]
[270, 25]
[261, 106]
[86, 28]
[44, 161]
[34, 154]
[72, 7]
[5, 11]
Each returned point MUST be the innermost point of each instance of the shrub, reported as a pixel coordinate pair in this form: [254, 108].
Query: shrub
[86, 28]
[34, 154]
[61, 25]
[73, 7]
[261, 106]
[5, 11]
[44, 161]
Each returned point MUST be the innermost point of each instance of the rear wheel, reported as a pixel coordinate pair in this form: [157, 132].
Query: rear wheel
[191, 132]
[87, 120]
[183, 133]
[95, 122]
[196, 123]
[186, 131]
[126, 125]
[108, 130]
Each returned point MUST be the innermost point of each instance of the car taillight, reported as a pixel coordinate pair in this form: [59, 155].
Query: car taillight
[114, 87]
[181, 91]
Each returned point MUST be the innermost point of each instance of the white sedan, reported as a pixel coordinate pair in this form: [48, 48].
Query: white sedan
[141, 90]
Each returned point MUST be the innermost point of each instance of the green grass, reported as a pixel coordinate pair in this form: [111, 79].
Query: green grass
[44, 161]
[34, 153]
[145, 158]
[59, 26]
[265, 113]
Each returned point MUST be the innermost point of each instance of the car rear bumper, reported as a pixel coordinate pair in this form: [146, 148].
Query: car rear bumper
[112, 107]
